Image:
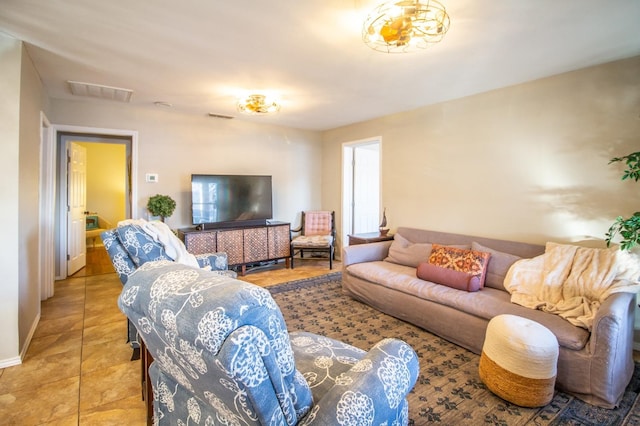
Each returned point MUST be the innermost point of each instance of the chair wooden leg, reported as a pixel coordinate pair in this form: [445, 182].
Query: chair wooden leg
[293, 253]
[331, 257]
[147, 389]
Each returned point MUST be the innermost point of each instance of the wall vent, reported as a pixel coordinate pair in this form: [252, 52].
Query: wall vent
[214, 115]
[99, 91]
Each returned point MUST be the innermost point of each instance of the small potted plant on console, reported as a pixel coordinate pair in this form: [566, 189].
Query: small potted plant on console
[161, 205]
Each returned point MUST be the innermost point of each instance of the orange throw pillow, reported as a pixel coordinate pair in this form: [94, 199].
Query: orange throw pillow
[468, 261]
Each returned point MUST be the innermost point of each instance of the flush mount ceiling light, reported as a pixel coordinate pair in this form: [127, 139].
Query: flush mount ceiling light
[257, 104]
[405, 26]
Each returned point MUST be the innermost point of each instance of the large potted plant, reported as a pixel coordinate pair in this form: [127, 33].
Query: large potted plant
[161, 205]
[627, 228]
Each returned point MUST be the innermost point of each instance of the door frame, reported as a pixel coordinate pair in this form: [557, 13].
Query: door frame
[61, 189]
[346, 168]
[46, 271]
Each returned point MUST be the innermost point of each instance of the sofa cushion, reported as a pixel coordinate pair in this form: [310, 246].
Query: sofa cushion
[457, 259]
[303, 241]
[404, 252]
[498, 266]
[486, 303]
[407, 253]
[445, 276]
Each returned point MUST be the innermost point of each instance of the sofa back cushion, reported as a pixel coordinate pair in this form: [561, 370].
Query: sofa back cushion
[504, 251]
[525, 250]
[498, 266]
[404, 252]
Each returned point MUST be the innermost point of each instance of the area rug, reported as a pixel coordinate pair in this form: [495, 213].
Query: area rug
[449, 390]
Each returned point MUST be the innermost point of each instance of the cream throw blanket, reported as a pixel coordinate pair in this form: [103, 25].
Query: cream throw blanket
[572, 281]
[162, 234]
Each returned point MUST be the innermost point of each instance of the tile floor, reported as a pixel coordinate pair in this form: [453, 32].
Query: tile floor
[77, 370]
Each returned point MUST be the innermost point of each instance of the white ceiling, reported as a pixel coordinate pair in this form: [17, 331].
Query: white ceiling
[201, 55]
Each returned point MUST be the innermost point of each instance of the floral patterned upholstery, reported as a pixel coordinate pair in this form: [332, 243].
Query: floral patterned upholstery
[129, 247]
[222, 355]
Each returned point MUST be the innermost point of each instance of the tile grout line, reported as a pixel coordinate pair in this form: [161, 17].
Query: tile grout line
[84, 314]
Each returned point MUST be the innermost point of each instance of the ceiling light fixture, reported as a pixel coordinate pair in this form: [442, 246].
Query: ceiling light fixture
[405, 26]
[257, 105]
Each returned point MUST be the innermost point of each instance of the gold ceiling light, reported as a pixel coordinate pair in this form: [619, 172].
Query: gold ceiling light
[257, 104]
[405, 26]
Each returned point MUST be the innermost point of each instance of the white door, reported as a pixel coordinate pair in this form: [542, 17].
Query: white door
[366, 188]
[77, 205]
[361, 187]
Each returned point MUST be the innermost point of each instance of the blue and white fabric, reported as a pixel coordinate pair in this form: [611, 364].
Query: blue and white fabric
[223, 355]
[130, 246]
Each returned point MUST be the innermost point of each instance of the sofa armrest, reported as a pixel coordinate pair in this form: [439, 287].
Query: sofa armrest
[611, 350]
[613, 323]
[373, 391]
[365, 252]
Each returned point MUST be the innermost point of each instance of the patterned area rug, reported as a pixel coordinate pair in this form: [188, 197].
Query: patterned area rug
[449, 390]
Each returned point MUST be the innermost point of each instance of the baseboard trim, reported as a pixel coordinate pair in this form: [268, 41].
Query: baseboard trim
[10, 362]
[32, 331]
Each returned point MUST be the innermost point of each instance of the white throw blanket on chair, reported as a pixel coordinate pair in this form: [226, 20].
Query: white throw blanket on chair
[572, 281]
[162, 234]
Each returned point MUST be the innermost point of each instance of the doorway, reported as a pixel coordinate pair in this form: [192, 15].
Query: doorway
[361, 186]
[93, 139]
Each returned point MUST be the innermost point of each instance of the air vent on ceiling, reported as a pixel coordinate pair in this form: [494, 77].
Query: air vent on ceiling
[99, 91]
[214, 115]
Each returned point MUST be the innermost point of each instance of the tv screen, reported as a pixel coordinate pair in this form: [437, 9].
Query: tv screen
[220, 199]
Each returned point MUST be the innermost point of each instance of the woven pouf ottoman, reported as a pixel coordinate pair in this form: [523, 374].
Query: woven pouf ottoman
[518, 361]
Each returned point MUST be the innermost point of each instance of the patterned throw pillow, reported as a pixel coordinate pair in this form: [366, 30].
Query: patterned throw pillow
[469, 261]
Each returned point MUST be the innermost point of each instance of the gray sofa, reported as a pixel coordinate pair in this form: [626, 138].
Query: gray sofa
[594, 366]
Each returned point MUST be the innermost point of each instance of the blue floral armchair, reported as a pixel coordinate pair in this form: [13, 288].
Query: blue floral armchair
[129, 247]
[222, 355]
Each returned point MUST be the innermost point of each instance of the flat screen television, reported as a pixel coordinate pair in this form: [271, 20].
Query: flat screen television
[230, 200]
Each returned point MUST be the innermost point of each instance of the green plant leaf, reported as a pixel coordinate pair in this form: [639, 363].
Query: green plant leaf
[628, 229]
[633, 165]
[161, 205]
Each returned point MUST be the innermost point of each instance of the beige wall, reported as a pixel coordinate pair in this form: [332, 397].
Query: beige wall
[21, 101]
[175, 145]
[10, 58]
[31, 105]
[528, 162]
[106, 180]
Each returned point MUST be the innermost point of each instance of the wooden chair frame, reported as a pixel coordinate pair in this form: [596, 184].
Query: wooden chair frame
[323, 249]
